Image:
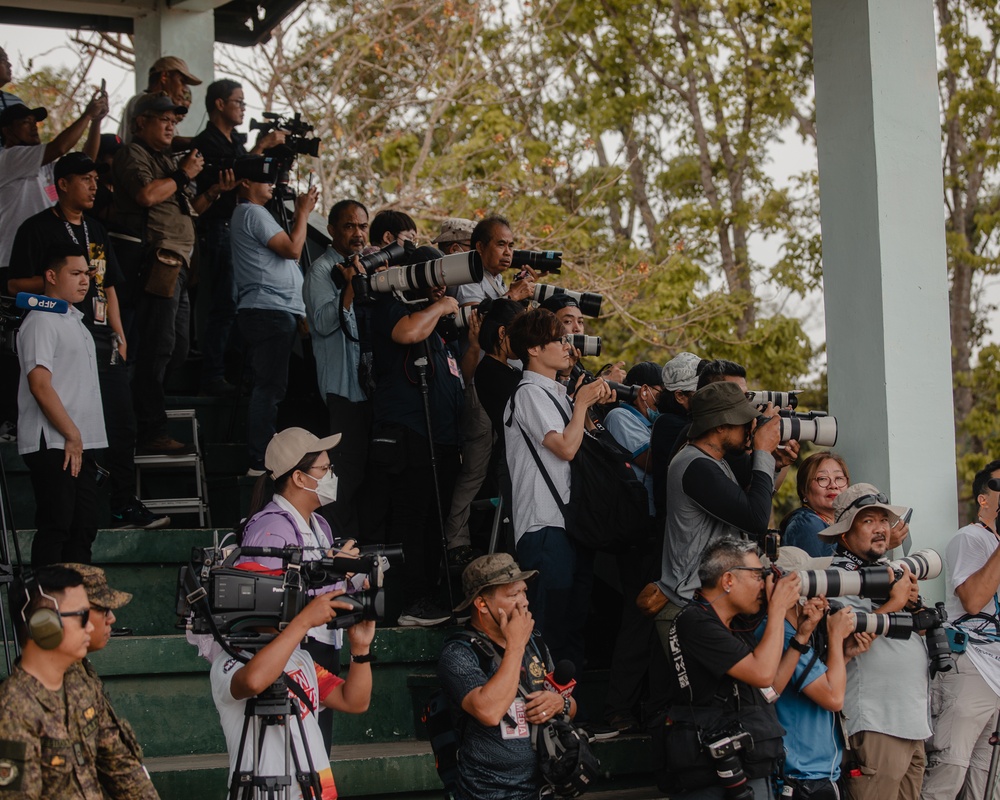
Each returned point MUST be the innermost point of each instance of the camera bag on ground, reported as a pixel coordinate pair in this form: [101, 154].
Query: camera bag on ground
[608, 505]
[682, 738]
[565, 759]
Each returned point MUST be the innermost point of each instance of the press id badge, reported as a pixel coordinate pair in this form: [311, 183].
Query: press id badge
[453, 366]
[515, 712]
[100, 311]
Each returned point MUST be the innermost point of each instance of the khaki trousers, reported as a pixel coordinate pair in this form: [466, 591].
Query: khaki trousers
[891, 768]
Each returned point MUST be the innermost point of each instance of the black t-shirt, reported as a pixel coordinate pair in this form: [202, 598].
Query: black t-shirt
[495, 383]
[28, 254]
[662, 441]
[219, 153]
[398, 396]
[709, 649]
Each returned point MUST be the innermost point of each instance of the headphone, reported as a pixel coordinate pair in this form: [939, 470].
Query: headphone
[45, 626]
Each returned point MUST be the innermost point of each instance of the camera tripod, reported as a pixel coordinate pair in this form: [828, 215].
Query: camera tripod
[272, 708]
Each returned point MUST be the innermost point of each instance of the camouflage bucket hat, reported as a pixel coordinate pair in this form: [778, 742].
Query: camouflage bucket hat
[496, 569]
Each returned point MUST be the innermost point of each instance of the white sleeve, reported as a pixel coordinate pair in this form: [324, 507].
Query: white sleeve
[537, 414]
[18, 163]
[966, 554]
[37, 341]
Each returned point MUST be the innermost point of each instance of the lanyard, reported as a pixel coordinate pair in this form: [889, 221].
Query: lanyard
[72, 235]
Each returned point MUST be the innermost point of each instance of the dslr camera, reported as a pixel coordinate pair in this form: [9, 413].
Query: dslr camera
[397, 269]
[724, 750]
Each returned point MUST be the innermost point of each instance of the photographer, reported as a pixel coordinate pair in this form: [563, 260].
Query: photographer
[455, 236]
[705, 499]
[496, 759]
[234, 683]
[407, 349]
[390, 226]
[680, 381]
[269, 286]
[333, 326]
[221, 144]
[718, 676]
[168, 75]
[561, 595]
[965, 701]
[496, 379]
[886, 706]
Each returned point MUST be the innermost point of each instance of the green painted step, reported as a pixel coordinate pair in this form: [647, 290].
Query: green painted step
[398, 770]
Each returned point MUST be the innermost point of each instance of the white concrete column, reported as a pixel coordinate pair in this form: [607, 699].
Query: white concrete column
[187, 34]
[884, 265]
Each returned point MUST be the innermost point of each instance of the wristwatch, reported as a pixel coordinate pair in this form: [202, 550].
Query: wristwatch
[367, 658]
[797, 645]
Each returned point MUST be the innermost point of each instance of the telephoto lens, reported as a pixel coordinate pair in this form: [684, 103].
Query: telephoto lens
[777, 399]
[587, 345]
[452, 270]
[815, 426]
[538, 260]
[464, 316]
[589, 303]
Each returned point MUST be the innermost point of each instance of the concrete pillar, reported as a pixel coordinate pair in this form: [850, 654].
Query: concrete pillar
[187, 34]
[884, 265]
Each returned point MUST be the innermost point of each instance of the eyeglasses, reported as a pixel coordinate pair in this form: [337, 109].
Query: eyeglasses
[83, 614]
[864, 500]
[759, 572]
[107, 612]
[826, 481]
[564, 340]
[240, 103]
[324, 467]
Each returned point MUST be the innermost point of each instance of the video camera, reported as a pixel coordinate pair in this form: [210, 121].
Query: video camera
[216, 597]
[589, 303]
[296, 141]
[452, 270]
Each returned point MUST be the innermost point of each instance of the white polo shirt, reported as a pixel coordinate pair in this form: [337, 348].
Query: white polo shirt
[534, 506]
[61, 344]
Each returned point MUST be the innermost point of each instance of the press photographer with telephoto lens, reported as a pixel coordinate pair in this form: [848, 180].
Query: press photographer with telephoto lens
[886, 709]
[965, 700]
[722, 737]
[417, 405]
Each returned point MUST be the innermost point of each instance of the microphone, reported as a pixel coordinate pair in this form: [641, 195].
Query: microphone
[994, 484]
[41, 302]
[561, 679]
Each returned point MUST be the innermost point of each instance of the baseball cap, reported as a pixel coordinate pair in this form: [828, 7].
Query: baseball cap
[721, 403]
[495, 569]
[455, 229]
[157, 103]
[644, 373]
[680, 374]
[288, 447]
[19, 111]
[98, 591]
[77, 163]
[111, 143]
[558, 302]
[852, 501]
[175, 64]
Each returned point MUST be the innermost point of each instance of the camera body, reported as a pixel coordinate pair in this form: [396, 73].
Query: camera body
[216, 597]
[297, 141]
[724, 750]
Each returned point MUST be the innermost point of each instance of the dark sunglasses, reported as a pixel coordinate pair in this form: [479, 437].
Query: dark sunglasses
[864, 500]
[83, 614]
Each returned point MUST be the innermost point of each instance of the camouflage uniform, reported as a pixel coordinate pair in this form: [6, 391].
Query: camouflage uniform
[65, 745]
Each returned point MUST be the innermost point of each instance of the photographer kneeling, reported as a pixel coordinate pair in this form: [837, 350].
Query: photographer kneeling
[722, 731]
[234, 683]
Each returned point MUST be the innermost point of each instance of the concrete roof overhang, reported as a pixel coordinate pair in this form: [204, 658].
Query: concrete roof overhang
[240, 22]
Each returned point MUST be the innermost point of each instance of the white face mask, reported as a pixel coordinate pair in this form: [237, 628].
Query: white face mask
[326, 488]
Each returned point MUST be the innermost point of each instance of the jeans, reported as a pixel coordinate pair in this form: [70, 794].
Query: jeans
[269, 336]
[162, 323]
[559, 596]
[65, 508]
[217, 257]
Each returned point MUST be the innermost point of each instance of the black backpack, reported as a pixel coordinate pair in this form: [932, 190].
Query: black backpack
[608, 505]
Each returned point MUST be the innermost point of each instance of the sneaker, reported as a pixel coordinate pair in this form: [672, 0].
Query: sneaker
[163, 445]
[136, 515]
[423, 614]
[219, 388]
[598, 731]
[8, 432]
[254, 473]
[463, 555]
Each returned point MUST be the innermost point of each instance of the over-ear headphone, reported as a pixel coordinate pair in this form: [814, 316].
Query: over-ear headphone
[45, 626]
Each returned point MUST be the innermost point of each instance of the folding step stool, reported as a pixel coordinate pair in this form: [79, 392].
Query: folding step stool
[193, 461]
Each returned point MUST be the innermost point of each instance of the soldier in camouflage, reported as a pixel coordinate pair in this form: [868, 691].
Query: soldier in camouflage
[58, 737]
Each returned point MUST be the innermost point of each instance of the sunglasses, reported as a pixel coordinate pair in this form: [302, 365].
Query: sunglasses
[864, 500]
[83, 614]
[107, 612]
